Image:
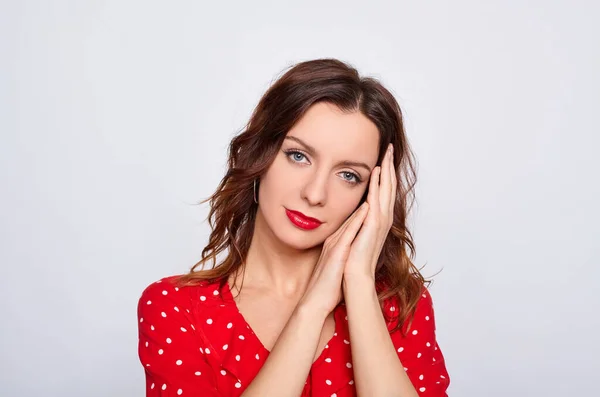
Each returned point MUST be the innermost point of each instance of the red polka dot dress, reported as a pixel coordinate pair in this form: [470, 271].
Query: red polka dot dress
[193, 341]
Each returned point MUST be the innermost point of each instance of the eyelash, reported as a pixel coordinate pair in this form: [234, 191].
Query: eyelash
[356, 176]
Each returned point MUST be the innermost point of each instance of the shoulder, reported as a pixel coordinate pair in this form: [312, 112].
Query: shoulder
[159, 290]
[166, 292]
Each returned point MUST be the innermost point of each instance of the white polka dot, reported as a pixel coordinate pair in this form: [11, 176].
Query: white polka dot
[165, 292]
[334, 395]
[160, 351]
[406, 369]
[400, 349]
[328, 360]
[257, 356]
[241, 337]
[183, 329]
[176, 309]
[433, 358]
[238, 385]
[152, 327]
[178, 362]
[335, 334]
[197, 373]
[215, 292]
[203, 298]
[420, 377]
[422, 389]
[326, 346]
[176, 289]
[419, 355]
[149, 302]
[393, 308]
[442, 376]
[346, 342]
[152, 386]
[225, 347]
[146, 343]
[428, 344]
[169, 340]
[179, 392]
[415, 332]
[424, 296]
[209, 321]
[141, 320]
[223, 372]
[349, 365]
[201, 351]
[237, 358]
[328, 382]
[427, 318]
[207, 350]
[351, 382]
[346, 317]
[192, 325]
[147, 365]
[229, 325]
[163, 314]
[164, 386]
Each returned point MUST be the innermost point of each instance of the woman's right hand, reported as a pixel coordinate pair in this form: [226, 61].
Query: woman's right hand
[324, 291]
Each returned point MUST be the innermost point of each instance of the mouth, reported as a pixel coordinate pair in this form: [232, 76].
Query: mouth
[301, 220]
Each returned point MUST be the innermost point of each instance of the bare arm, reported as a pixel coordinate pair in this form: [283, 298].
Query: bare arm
[377, 369]
[285, 371]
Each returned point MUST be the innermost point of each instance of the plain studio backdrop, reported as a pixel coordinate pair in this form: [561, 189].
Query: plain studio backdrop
[115, 118]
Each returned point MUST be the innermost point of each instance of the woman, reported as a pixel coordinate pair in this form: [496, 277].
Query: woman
[317, 295]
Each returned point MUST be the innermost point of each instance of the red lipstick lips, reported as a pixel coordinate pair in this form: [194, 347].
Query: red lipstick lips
[301, 220]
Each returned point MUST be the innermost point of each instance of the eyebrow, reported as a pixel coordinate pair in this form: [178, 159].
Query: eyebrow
[313, 152]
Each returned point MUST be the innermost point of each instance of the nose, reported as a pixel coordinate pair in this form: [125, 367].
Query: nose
[315, 190]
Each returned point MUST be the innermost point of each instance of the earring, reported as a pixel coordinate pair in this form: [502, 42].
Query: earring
[255, 199]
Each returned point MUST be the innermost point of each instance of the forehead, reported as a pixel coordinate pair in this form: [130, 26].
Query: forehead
[334, 133]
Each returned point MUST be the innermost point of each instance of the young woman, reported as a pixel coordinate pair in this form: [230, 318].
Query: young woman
[317, 295]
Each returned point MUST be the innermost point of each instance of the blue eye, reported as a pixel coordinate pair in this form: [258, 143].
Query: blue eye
[298, 154]
[356, 178]
[291, 153]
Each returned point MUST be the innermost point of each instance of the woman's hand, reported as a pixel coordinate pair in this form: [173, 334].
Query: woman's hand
[324, 290]
[366, 248]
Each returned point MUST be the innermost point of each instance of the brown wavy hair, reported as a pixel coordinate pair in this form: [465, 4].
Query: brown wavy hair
[251, 152]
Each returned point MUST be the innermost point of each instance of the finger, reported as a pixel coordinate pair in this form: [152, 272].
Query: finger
[344, 225]
[352, 228]
[384, 182]
[394, 184]
[373, 195]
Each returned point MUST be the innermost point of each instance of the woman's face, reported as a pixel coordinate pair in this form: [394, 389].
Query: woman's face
[322, 170]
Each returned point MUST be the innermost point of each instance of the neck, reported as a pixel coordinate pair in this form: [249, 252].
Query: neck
[276, 267]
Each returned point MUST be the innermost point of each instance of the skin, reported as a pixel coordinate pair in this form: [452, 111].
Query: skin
[282, 257]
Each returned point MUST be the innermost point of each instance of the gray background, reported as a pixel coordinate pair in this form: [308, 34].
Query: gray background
[115, 118]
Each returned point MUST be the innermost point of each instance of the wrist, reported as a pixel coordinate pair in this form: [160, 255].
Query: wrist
[311, 312]
[358, 279]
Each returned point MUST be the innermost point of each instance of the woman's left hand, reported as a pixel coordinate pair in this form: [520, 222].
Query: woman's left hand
[366, 247]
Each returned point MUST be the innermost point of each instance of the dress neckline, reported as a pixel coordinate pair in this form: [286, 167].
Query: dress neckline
[227, 294]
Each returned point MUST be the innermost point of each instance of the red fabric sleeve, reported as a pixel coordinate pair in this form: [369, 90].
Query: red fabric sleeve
[173, 360]
[420, 354]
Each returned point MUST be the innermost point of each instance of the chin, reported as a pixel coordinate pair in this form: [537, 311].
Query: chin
[296, 238]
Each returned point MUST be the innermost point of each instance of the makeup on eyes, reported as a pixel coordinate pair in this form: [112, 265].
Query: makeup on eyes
[292, 151]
